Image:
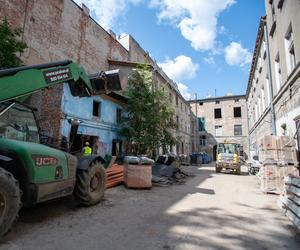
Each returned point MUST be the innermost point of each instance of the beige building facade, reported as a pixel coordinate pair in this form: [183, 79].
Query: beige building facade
[221, 119]
[273, 96]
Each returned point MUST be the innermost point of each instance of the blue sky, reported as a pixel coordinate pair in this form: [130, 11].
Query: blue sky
[202, 45]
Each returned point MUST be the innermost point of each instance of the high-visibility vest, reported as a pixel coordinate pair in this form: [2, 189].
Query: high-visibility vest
[87, 150]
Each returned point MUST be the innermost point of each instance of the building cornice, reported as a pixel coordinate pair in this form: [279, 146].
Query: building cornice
[220, 98]
[259, 37]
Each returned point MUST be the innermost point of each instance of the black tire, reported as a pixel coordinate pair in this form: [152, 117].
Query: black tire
[10, 200]
[90, 184]
[218, 170]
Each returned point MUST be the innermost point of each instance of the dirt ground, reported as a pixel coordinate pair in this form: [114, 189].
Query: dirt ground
[210, 211]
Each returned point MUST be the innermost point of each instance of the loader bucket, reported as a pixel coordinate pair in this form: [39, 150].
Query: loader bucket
[105, 82]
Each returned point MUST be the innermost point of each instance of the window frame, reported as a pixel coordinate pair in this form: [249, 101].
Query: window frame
[215, 114]
[234, 112]
[235, 131]
[99, 103]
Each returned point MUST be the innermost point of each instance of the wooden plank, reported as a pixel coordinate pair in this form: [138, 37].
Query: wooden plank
[293, 207]
[296, 200]
[293, 218]
[295, 181]
[293, 190]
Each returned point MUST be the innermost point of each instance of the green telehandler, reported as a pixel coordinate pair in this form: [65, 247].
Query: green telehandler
[31, 172]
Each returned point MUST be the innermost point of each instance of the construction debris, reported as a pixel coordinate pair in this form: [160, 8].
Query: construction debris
[164, 175]
[290, 201]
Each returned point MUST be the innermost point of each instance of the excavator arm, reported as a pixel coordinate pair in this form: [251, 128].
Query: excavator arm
[18, 83]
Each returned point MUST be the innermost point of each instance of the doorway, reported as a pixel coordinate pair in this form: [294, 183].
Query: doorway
[117, 147]
[215, 152]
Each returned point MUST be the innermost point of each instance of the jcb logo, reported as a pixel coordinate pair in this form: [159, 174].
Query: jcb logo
[44, 161]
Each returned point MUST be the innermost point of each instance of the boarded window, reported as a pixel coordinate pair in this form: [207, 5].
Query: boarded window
[237, 112]
[238, 130]
[218, 131]
[96, 109]
[218, 113]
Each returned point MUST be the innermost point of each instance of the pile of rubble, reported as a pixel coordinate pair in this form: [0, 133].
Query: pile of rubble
[142, 172]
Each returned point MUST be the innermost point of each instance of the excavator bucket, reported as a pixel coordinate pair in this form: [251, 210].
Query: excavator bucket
[105, 82]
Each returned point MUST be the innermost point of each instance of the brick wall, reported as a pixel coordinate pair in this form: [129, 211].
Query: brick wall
[57, 30]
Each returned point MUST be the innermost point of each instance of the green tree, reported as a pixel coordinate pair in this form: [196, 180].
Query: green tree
[10, 45]
[149, 120]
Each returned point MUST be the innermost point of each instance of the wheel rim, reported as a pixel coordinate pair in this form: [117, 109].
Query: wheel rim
[2, 205]
[95, 182]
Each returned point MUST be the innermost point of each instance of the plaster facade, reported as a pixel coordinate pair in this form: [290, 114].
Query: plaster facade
[273, 95]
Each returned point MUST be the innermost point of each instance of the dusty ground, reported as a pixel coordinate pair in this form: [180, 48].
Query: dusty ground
[210, 211]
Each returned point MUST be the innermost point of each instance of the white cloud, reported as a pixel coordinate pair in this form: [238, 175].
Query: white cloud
[106, 12]
[197, 20]
[235, 54]
[209, 60]
[184, 91]
[181, 68]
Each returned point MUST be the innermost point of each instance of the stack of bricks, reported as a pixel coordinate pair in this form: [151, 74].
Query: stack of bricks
[279, 159]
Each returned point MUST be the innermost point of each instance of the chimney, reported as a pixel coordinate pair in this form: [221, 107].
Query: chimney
[85, 9]
[113, 34]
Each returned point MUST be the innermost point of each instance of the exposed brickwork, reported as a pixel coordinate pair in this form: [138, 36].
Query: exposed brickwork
[57, 30]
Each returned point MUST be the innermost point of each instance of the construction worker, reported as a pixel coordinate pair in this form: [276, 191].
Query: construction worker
[87, 150]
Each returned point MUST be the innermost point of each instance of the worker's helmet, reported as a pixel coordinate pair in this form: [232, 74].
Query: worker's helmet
[87, 143]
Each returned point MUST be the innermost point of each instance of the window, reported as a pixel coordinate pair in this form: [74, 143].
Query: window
[290, 50]
[217, 102]
[268, 90]
[280, 3]
[263, 100]
[201, 103]
[96, 109]
[202, 140]
[277, 72]
[177, 100]
[273, 19]
[237, 112]
[177, 121]
[170, 97]
[236, 100]
[119, 115]
[218, 130]
[218, 113]
[298, 133]
[201, 124]
[238, 130]
[256, 112]
[259, 106]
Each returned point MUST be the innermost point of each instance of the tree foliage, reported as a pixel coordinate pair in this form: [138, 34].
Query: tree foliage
[149, 120]
[10, 45]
